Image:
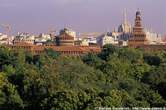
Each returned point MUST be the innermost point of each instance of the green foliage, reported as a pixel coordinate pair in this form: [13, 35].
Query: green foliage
[107, 51]
[29, 58]
[150, 96]
[152, 60]
[131, 54]
[137, 71]
[156, 78]
[161, 87]
[115, 68]
[6, 57]
[9, 97]
[92, 60]
[76, 75]
[155, 75]
[8, 69]
[117, 77]
[52, 53]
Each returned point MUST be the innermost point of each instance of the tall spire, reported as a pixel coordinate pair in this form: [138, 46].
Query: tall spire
[125, 16]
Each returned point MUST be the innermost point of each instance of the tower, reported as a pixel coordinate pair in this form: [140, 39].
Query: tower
[65, 38]
[138, 35]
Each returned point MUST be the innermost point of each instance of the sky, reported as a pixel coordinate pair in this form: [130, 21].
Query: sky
[39, 16]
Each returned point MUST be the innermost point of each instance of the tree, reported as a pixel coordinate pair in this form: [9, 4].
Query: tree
[115, 68]
[92, 60]
[9, 69]
[115, 98]
[152, 60]
[9, 97]
[6, 57]
[130, 54]
[77, 75]
[107, 51]
[137, 71]
[118, 77]
[63, 100]
[29, 58]
[155, 76]
[150, 96]
[161, 87]
[51, 53]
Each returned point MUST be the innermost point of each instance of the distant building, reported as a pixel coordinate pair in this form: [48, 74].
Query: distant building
[3, 39]
[138, 35]
[65, 38]
[122, 43]
[153, 38]
[24, 37]
[42, 39]
[163, 40]
[68, 31]
[105, 39]
[123, 33]
[85, 42]
[115, 35]
[64, 50]
[92, 41]
[125, 29]
[89, 35]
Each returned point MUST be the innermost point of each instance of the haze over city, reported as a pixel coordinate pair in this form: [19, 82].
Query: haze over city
[82, 55]
[36, 16]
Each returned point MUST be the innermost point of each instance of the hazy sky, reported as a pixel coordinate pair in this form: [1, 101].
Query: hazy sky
[37, 16]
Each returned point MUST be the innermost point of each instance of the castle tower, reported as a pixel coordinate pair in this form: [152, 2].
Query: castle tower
[138, 34]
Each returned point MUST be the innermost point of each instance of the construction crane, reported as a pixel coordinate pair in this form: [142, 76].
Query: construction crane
[7, 29]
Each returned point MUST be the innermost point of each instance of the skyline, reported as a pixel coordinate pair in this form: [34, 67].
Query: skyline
[81, 15]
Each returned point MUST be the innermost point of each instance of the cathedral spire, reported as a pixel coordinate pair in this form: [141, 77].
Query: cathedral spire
[125, 16]
[125, 27]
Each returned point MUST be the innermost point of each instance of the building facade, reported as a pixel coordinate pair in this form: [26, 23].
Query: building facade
[153, 38]
[3, 39]
[66, 37]
[64, 50]
[125, 28]
[105, 39]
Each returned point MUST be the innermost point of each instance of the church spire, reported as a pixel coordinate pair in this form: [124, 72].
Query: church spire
[125, 16]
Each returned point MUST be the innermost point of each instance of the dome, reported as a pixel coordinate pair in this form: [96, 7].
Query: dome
[138, 13]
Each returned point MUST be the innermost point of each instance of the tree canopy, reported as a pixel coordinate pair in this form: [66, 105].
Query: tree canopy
[117, 77]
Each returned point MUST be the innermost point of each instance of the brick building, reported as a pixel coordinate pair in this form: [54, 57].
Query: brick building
[138, 35]
[64, 50]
